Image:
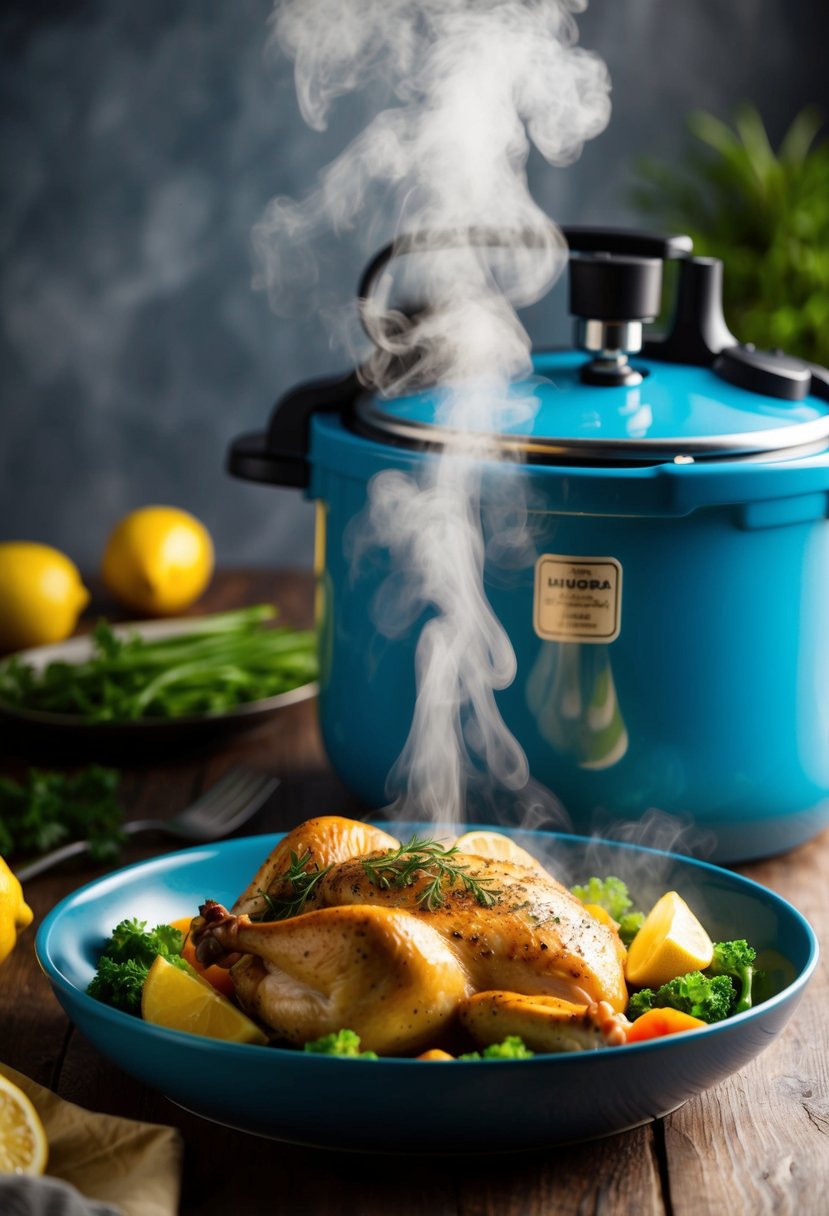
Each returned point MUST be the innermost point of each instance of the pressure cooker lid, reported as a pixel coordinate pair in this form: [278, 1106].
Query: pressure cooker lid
[694, 394]
[620, 399]
[753, 405]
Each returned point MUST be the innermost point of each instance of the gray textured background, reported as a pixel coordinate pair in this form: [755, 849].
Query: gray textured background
[141, 142]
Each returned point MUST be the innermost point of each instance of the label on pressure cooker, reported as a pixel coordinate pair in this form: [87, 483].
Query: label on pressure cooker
[577, 599]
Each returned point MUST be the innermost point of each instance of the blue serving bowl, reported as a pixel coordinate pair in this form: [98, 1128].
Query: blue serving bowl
[405, 1105]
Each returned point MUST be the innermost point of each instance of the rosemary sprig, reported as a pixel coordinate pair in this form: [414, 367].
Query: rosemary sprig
[395, 868]
[400, 867]
[302, 883]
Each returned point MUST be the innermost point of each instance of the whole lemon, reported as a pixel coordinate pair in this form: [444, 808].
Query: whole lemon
[41, 595]
[158, 560]
[15, 913]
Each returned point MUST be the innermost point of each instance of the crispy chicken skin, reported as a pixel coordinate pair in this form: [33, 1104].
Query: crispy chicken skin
[387, 965]
[386, 975]
[534, 938]
[326, 839]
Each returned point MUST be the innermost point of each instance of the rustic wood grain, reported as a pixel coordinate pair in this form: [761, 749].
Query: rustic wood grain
[613, 1176]
[757, 1143]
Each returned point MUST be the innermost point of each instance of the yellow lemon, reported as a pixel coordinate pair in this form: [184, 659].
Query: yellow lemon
[158, 560]
[41, 595]
[482, 843]
[15, 913]
[24, 1148]
[180, 1000]
[671, 942]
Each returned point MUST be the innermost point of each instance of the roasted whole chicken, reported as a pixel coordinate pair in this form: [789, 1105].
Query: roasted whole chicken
[406, 944]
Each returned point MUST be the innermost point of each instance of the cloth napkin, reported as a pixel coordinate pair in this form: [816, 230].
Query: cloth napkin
[133, 1167]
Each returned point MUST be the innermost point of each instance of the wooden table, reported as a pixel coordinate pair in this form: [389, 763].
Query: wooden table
[759, 1143]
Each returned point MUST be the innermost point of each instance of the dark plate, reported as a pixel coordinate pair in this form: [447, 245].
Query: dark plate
[405, 1105]
[74, 730]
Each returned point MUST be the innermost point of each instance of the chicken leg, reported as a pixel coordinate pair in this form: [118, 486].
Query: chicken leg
[379, 971]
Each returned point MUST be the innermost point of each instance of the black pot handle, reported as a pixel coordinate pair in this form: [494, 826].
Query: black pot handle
[279, 456]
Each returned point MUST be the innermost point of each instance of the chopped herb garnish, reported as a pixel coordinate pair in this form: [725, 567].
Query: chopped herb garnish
[129, 953]
[400, 867]
[302, 881]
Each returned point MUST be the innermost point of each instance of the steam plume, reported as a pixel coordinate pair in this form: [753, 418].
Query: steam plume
[476, 83]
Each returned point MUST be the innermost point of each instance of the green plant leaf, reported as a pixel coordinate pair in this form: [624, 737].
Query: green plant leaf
[764, 213]
[796, 143]
[755, 144]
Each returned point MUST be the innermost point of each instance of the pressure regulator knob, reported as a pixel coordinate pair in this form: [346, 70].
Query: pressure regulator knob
[611, 297]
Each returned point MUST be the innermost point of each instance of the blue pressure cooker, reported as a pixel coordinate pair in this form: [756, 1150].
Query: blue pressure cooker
[670, 620]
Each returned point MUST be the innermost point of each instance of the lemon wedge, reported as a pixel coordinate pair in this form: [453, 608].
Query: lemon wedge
[671, 942]
[498, 847]
[180, 1000]
[24, 1148]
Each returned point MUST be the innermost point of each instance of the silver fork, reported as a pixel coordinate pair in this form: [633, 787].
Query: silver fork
[219, 811]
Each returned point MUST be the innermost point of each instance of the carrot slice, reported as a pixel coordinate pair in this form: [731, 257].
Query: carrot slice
[658, 1022]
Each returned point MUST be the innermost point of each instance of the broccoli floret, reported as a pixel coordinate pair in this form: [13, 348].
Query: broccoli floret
[709, 998]
[609, 893]
[723, 988]
[612, 894]
[629, 926]
[512, 1048]
[339, 1043]
[640, 1002]
[704, 997]
[735, 959]
[127, 957]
